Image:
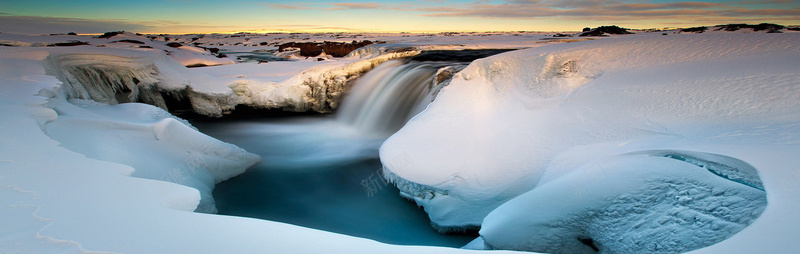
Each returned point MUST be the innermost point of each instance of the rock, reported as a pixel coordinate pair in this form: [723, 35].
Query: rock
[110, 34]
[339, 49]
[699, 29]
[129, 41]
[68, 44]
[335, 49]
[174, 44]
[603, 30]
[771, 28]
[307, 49]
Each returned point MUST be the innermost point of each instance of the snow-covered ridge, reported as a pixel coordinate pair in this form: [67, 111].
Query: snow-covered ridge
[120, 74]
[131, 67]
[511, 123]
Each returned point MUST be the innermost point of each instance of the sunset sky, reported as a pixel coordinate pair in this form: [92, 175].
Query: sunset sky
[205, 16]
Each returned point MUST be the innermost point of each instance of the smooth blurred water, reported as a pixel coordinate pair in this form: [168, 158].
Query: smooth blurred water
[319, 173]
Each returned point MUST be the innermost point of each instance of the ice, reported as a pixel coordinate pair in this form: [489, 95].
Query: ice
[119, 75]
[509, 124]
[633, 203]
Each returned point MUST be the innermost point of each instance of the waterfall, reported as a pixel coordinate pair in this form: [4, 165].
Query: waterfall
[384, 99]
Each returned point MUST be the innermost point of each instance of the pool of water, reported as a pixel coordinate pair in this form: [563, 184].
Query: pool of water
[319, 173]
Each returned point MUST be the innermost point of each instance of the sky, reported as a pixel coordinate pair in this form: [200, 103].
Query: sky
[205, 16]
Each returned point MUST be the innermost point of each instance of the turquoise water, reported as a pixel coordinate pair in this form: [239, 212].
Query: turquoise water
[320, 174]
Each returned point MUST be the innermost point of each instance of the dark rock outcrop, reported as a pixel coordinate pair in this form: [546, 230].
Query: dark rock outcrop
[129, 41]
[68, 44]
[771, 28]
[110, 34]
[174, 44]
[340, 49]
[699, 29]
[307, 49]
[604, 30]
[335, 49]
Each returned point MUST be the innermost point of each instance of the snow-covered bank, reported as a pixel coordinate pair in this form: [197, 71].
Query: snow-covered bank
[156, 144]
[55, 200]
[115, 71]
[318, 88]
[512, 123]
[148, 68]
[112, 76]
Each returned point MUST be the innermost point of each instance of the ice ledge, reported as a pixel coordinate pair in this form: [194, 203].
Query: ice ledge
[422, 194]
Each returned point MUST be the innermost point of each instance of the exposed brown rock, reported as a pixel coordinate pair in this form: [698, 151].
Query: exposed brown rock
[307, 49]
[340, 49]
[335, 49]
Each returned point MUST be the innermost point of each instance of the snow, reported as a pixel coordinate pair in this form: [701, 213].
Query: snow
[103, 75]
[513, 123]
[174, 151]
[562, 138]
[67, 187]
[642, 202]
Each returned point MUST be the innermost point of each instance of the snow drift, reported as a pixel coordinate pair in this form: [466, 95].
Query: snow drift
[156, 144]
[515, 122]
[649, 202]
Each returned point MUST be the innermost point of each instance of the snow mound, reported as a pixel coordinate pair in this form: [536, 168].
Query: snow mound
[174, 150]
[648, 202]
[504, 125]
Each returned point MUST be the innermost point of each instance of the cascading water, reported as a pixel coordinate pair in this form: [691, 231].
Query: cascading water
[384, 99]
[323, 173]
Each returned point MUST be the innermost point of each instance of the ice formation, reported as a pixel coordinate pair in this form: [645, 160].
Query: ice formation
[509, 124]
[115, 76]
[649, 202]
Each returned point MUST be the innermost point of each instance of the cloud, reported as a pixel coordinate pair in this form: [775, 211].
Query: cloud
[604, 10]
[48, 25]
